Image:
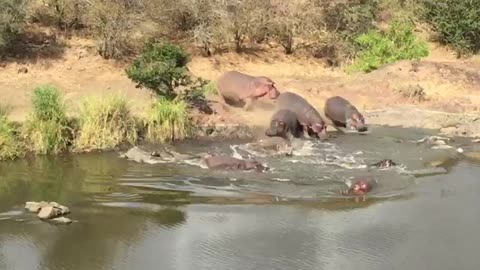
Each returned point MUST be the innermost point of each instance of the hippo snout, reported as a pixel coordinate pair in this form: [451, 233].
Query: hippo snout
[274, 93]
[362, 128]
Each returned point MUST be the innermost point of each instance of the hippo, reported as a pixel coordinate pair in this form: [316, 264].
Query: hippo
[240, 89]
[359, 186]
[284, 124]
[385, 163]
[343, 114]
[308, 117]
[231, 163]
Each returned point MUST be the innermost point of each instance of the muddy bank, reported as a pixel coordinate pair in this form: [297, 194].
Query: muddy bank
[449, 124]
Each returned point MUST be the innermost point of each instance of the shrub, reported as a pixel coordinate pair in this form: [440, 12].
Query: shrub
[11, 146]
[12, 19]
[456, 21]
[104, 124]
[47, 127]
[113, 23]
[161, 68]
[379, 48]
[167, 120]
[64, 14]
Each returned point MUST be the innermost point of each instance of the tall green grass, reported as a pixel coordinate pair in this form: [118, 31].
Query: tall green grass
[11, 146]
[105, 123]
[47, 127]
[167, 120]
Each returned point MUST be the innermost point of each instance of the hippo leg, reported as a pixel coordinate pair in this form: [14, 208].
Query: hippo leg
[248, 104]
[306, 131]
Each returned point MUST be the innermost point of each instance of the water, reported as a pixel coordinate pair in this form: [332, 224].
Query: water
[179, 216]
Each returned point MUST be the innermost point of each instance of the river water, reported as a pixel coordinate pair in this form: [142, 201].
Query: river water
[129, 215]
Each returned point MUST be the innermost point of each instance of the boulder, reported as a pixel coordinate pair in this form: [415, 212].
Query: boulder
[61, 220]
[34, 207]
[49, 212]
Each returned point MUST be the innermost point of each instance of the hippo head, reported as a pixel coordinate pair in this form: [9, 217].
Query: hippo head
[277, 128]
[356, 121]
[320, 130]
[266, 86]
[254, 165]
[360, 186]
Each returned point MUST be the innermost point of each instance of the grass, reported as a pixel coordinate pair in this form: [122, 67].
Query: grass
[379, 48]
[210, 88]
[105, 123]
[167, 120]
[47, 127]
[11, 146]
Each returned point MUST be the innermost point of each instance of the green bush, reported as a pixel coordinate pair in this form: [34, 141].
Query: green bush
[105, 124]
[161, 68]
[12, 19]
[379, 48]
[11, 146]
[167, 120]
[47, 127]
[456, 21]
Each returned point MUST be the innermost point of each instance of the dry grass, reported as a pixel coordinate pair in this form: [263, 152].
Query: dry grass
[167, 121]
[105, 123]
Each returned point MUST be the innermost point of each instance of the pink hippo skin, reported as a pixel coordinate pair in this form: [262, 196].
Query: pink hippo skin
[239, 89]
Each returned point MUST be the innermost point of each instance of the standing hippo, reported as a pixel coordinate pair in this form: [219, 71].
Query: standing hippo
[284, 123]
[231, 163]
[343, 114]
[239, 89]
[307, 115]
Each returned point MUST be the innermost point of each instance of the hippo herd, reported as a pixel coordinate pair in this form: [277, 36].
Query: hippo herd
[294, 117]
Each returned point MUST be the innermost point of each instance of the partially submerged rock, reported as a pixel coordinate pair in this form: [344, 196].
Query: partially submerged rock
[35, 207]
[48, 210]
[61, 220]
[154, 157]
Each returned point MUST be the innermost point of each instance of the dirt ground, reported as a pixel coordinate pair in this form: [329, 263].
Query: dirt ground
[438, 83]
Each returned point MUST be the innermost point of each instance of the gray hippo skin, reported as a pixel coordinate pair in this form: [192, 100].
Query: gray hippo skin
[284, 123]
[343, 114]
[307, 115]
[231, 163]
[239, 89]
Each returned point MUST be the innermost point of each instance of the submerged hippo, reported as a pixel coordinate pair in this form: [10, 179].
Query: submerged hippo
[241, 89]
[359, 186]
[231, 163]
[343, 114]
[385, 163]
[284, 123]
[308, 117]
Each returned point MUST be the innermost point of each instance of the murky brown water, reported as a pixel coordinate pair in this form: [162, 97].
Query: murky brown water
[179, 216]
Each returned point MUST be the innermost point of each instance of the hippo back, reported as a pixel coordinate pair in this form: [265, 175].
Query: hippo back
[335, 109]
[223, 162]
[235, 85]
[306, 113]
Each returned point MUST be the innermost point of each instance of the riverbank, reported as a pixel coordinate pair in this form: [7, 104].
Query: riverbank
[438, 92]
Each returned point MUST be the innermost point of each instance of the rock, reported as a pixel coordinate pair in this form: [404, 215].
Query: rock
[439, 142]
[472, 155]
[61, 220]
[54, 204]
[49, 212]
[34, 207]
